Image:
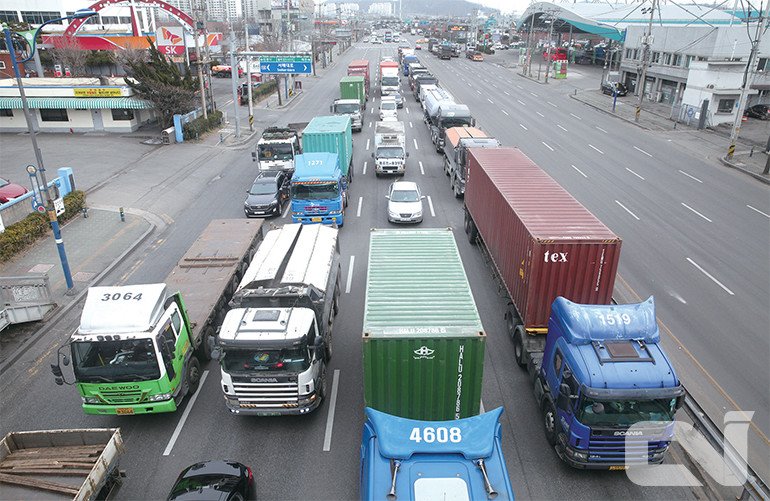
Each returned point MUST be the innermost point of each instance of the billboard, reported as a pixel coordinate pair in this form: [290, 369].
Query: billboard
[171, 40]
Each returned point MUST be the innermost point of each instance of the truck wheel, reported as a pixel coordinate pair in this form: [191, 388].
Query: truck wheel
[336, 299]
[470, 228]
[204, 350]
[328, 344]
[518, 346]
[549, 423]
[193, 376]
[446, 166]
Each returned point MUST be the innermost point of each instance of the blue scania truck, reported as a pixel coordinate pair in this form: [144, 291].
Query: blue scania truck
[606, 389]
[318, 189]
[409, 460]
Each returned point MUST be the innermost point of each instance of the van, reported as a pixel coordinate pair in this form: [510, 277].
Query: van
[388, 107]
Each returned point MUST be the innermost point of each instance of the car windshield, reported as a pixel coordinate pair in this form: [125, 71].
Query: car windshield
[288, 359]
[622, 413]
[388, 105]
[4, 182]
[405, 196]
[275, 151]
[263, 187]
[390, 152]
[391, 81]
[115, 361]
[397, 96]
[347, 108]
[321, 191]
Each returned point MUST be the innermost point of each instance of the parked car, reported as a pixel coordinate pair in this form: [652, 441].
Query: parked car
[474, 55]
[267, 194]
[9, 190]
[404, 202]
[611, 88]
[388, 108]
[376, 40]
[758, 111]
[366, 39]
[399, 99]
[214, 480]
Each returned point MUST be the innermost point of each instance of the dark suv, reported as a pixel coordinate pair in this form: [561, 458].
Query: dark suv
[267, 194]
[614, 87]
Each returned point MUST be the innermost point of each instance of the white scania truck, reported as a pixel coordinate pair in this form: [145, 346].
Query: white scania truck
[389, 148]
[277, 148]
[276, 341]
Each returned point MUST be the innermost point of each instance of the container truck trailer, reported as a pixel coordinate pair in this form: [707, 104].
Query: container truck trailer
[331, 134]
[458, 140]
[360, 67]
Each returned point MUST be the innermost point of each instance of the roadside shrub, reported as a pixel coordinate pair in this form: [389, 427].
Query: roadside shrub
[199, 126]
[264, 89]
[26, 232]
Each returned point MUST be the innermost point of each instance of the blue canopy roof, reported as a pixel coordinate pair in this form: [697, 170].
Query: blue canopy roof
[583, 324]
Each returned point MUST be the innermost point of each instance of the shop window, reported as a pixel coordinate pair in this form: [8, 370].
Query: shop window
[629, 52]
[636, 54]
[54, 115]
[667, 58]
[9, 16]
[688, 60]
[655, 57]
[763, 64]
[40, 17]
[5, 112]
[726, 105]
[121, 114]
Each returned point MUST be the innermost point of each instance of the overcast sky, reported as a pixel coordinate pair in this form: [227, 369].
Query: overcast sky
[506, 6]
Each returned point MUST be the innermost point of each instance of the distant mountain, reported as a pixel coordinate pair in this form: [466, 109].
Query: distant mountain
[448, 8]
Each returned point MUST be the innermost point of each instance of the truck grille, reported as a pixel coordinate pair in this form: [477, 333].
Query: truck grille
[121, 396]
[265, 395]
[611, 449]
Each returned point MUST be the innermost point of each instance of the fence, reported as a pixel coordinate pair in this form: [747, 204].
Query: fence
[180, 120]
[18, 208]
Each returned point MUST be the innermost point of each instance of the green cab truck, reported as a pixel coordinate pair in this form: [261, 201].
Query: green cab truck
[138, 348]
[423, 342]
[331, 134]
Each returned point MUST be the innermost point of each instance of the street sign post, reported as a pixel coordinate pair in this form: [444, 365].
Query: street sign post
[285, 64]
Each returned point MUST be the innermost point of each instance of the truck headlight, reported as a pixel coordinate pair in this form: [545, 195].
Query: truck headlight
[160, 397]
[91, 400]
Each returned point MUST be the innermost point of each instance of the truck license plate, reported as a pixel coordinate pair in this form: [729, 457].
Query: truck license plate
[124, 410]
[621, 468]
[316, 219]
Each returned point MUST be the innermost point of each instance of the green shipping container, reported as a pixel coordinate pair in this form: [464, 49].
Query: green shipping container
[423, 342]
[353, 88]
[331, 134]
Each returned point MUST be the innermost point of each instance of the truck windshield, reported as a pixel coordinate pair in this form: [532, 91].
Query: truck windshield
[347, 108]
[455, 122]
[390, 81]
[288, 359]
[115, 361]
[390, 152]
[324, 191]
[622, 413]
[275, 151]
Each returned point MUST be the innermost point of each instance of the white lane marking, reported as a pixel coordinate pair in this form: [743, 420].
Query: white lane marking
[562, 128]
[521, 102]
[364, 172]
[580, 171]
[634, 173]
[711, 277]
[576, 116]
[533, 94]
[549, 102]
[691, 177]
[421, 169]
[367, 145]
[407, 111]
[228, 103]
[597, 149]
[360, 202]
[185, 414]
[372, 110]
[430, 205]
[415, 144]
[543, 116]
[696, 212]
[490, 101]
[627, 210]
[478, 92]
[523, 127]
[506, 113]
[506, 93]
[493, 85]
[330, 414]
[469, 84]
[350, 274]
[642, 151]
[546, 145]
[600, 129]
[370, 125]
[374, 98]
[757, 210]
[519, 86]
[411, 126]
[286, 210]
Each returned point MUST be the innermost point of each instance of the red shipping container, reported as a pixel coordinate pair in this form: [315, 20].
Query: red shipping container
[360, 67]
[542, 241]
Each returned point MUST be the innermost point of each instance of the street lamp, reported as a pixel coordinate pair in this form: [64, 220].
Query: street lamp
[28, 117]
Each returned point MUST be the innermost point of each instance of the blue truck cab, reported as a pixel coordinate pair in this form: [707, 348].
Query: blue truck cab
[318, 189]
[405, 63]
[602, 371]
[409, 460]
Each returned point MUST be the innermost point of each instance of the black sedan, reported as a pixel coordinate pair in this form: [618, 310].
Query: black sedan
[214, 481]
[267, 194]
[618, 88]
[758, 111]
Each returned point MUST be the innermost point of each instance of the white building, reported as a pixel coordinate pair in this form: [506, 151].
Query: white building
[381, 9]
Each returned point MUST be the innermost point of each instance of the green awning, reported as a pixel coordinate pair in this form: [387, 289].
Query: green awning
[83, 103]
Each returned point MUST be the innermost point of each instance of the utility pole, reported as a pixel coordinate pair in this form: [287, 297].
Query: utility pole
[248, 79]
[234, 78]
[641, 83]
[548, 51]
[528, 62]
[198, 60]
[748, 78]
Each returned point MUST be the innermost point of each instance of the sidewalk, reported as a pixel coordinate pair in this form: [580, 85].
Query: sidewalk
[94, 245]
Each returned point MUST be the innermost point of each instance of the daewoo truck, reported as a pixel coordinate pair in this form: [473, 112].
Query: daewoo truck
[277, 148]
[422, 334]
[275, 344]
[456, 144]
[412, 460]
[138, 347]
[577, 355]
[74, 464]
[389, 148]
[318, 190]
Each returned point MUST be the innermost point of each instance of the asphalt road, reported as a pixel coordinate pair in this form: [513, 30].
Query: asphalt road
[287, 453]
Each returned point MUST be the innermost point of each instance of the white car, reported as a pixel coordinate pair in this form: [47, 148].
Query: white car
[404, 202]
[388, 108]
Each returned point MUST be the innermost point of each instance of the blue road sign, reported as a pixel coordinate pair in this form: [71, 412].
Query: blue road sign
[285, 67]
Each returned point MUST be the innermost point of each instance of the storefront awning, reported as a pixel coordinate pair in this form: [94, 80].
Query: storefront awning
[82, 103]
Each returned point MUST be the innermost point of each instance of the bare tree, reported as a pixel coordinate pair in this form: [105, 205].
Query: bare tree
[70, 54]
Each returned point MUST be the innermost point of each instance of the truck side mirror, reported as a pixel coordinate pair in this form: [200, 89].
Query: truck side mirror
[563, 400]
[372, 154]
[318, 345]
[407, 154]
[216, 353]
[253, 156]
